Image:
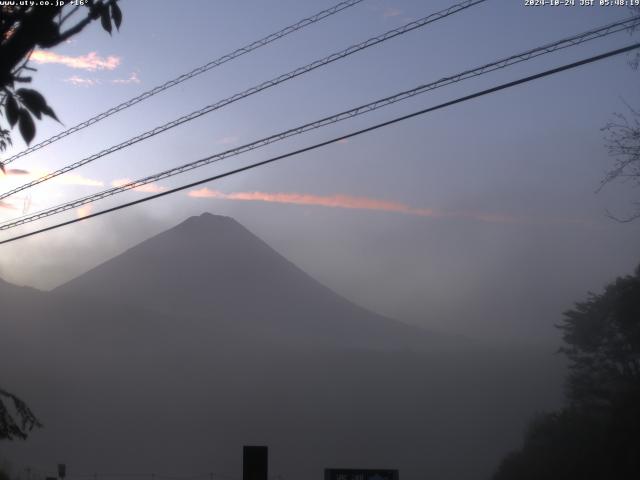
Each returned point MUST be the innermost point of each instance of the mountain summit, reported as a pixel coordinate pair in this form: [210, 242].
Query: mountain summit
[211, 267]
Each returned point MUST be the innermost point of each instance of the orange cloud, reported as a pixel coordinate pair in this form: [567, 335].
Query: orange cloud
[348, 202]
[74, 179]
[90, 62]
[6, 206]
[331, 201]
[84, 211]
[148, 188]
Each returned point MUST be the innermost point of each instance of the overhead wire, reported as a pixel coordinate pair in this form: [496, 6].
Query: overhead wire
[362, 109]
[253, 90]
[189, 75]
[333, 140]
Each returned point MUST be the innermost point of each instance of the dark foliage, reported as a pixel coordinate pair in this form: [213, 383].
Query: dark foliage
[24, 28]
[622, 139]
[622, 136]
[16, 418]
[602, 337]
[597, 435]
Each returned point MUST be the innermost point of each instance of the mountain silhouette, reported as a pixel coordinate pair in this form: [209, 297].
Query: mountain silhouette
[171, 356]
[212, 267]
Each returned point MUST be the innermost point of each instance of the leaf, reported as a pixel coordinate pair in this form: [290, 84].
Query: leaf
[11, 110]
[47, 110]
[36, 103]
[116, 14]
[27, 127]
[105, 20]
[33, 100]
[2, 168]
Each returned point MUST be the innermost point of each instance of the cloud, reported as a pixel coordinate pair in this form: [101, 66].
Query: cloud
[132, 78]
[330, 201]
[148, 188]
[84, 211]
[16, 171]
[75, 179]
[349, 202]
[82, 81]
[66, 179]
[230, 140]
[391, 12]
[6, 205]
[90, 62]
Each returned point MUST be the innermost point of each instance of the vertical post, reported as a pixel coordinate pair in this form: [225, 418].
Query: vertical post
[255, 463]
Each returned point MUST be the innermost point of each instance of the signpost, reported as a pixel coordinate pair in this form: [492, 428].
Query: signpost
[255, 463]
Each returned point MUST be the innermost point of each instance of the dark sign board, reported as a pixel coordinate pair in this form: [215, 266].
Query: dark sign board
[359, 474]
[255, 463]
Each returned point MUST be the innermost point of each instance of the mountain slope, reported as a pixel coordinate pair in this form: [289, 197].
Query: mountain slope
[212, 267]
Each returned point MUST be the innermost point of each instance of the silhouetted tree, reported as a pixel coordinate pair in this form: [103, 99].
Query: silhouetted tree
[622, 139]
[602, 337]
[16, 418]
[23, 28]
[622, 136]
[597, 435]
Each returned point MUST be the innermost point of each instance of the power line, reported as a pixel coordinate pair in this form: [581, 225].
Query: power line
[189, 75]
[253, 90]
[333, 140]
[360, 110]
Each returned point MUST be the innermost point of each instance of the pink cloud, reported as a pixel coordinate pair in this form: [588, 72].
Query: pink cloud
[16, 171]
[148, 188]
[75, 179]
[82, 81]
[90, 62]
[391, 12]
[6, 206]
[330, 201]
[133, 78]
[84, 211]
[348, 202]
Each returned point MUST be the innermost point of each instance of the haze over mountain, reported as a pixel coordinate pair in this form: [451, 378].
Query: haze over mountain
[171, 356]
[211, 266]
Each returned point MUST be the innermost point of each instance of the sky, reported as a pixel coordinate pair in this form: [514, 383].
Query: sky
[481, 219]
